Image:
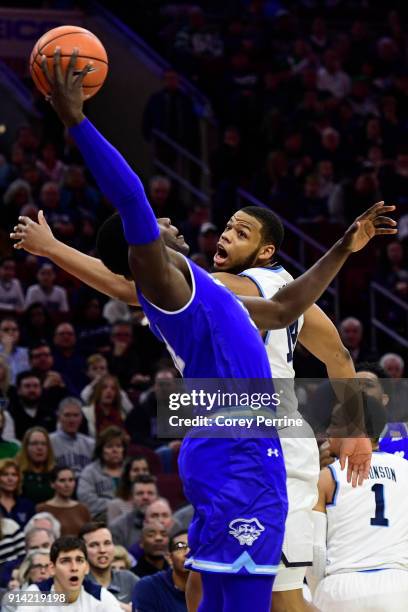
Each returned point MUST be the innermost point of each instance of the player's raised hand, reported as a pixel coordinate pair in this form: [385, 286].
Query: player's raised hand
[373, 222]
[35, 238]
[356, 453]
[67, 95]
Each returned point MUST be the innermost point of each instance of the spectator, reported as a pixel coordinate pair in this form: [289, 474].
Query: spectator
[79, 591]
[17, 194]
[123, 502]
[121, 559]
[44, 520]
[42, 362]
[351, 333]
[198, 214]
[165, 590]
[312, 207]
[36, 460]
[332, 78]
[32, 406]
[70, 513]
[52, 296]
[207, 241]
[71, 448]
[171, 111]
[17, 356]
[394, 274]
[35, 567]
[154, 542]
[8, 448]
[11, 541]
[37, 325]
[142, 420]
[92, 327]
[161, 200]
[49, 165]
[101, 551]
[393, 365]
[124, 357]
[97, 367]
[67, 359]
[76, 194]
[11, 293]
[159, 510]
[106, 406]
[99, 480]
[126, 529]
[37, 538]
[12, 504]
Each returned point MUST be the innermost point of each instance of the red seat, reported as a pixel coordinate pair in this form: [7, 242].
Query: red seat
[152, 458]
[170, 487]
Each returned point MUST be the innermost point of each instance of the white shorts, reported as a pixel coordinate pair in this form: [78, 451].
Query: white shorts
[302, 469]
[382, 591]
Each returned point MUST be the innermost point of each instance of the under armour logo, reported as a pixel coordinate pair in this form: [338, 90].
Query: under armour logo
[273, 451]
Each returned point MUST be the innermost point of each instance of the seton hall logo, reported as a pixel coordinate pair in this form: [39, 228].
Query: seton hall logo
[246, 530]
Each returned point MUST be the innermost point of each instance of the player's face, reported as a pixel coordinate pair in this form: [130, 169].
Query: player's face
[70, 570]
[239, 246]
[171, 236]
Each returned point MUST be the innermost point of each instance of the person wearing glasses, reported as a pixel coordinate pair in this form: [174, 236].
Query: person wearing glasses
[17, 356]
[165, 591]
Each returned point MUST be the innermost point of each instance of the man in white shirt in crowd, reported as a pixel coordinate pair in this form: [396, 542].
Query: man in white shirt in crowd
[69, 563]
[52, 296]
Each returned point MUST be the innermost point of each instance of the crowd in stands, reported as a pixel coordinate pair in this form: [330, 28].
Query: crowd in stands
[313, 122]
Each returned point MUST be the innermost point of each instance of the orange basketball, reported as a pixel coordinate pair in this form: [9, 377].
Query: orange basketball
[90, 51]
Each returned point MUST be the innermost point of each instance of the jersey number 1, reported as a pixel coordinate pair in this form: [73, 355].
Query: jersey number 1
[292, 333]
[379, 520]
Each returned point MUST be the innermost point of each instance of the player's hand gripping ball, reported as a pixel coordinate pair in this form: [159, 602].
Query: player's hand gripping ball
[67, 38]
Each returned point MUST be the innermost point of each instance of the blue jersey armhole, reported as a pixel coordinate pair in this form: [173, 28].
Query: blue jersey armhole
[336, 487]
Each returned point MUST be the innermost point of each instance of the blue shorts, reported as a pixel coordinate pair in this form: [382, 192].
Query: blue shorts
[238, 490]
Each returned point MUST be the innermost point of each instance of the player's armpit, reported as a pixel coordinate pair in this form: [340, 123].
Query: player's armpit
[320, 336]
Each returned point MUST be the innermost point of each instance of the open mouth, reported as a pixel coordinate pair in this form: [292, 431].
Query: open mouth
[220, 255]
[74, 580]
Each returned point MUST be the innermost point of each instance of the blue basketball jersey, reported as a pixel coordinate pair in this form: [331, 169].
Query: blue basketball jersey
[212, 336]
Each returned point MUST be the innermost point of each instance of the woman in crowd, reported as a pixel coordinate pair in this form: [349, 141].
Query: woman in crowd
[36, 567]
[70, 513]
[106, 406]
[122, 503]
[12, 504]
[99, 480]
[36, 460]
[121, 559]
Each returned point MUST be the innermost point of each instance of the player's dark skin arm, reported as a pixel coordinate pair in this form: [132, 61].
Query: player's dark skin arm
[164, 277]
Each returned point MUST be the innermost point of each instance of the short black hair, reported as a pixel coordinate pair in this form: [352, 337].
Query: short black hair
[112, 247]
[91, 527]
[272, 228]
[145, 479]
[176, 535]
[373, 367]
[66, 544]
[26, 374]
[38, 345]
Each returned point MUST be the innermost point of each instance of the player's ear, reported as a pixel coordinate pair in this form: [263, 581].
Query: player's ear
[267, 252]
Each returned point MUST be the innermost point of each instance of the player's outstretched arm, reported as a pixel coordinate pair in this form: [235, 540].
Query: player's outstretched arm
[294, 299]
[162, 279]
[38, 239]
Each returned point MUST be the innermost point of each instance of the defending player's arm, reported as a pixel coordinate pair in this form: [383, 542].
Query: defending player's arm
[318, 569]
[161, 281]
[298, 296]
[38, 239]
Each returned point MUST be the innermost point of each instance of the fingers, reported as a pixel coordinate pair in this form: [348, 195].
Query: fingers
[80, 77]
[46, 71]
[384, 221]
[379, 231]
[71, 65]
[378, 208]
[57, 66]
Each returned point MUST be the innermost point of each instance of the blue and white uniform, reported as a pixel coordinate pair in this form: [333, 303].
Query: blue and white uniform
[299, 446]
[237, 485]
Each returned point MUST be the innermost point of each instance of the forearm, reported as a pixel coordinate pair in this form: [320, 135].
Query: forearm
[296, 297]
[92, 272]
[118, 182]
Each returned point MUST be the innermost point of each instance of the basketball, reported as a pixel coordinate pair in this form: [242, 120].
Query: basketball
[90, 50]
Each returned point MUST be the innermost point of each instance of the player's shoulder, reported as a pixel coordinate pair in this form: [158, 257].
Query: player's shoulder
[264, 277]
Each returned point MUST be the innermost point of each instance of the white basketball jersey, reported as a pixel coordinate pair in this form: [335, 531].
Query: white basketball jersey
[368, 525]
[279, 343]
